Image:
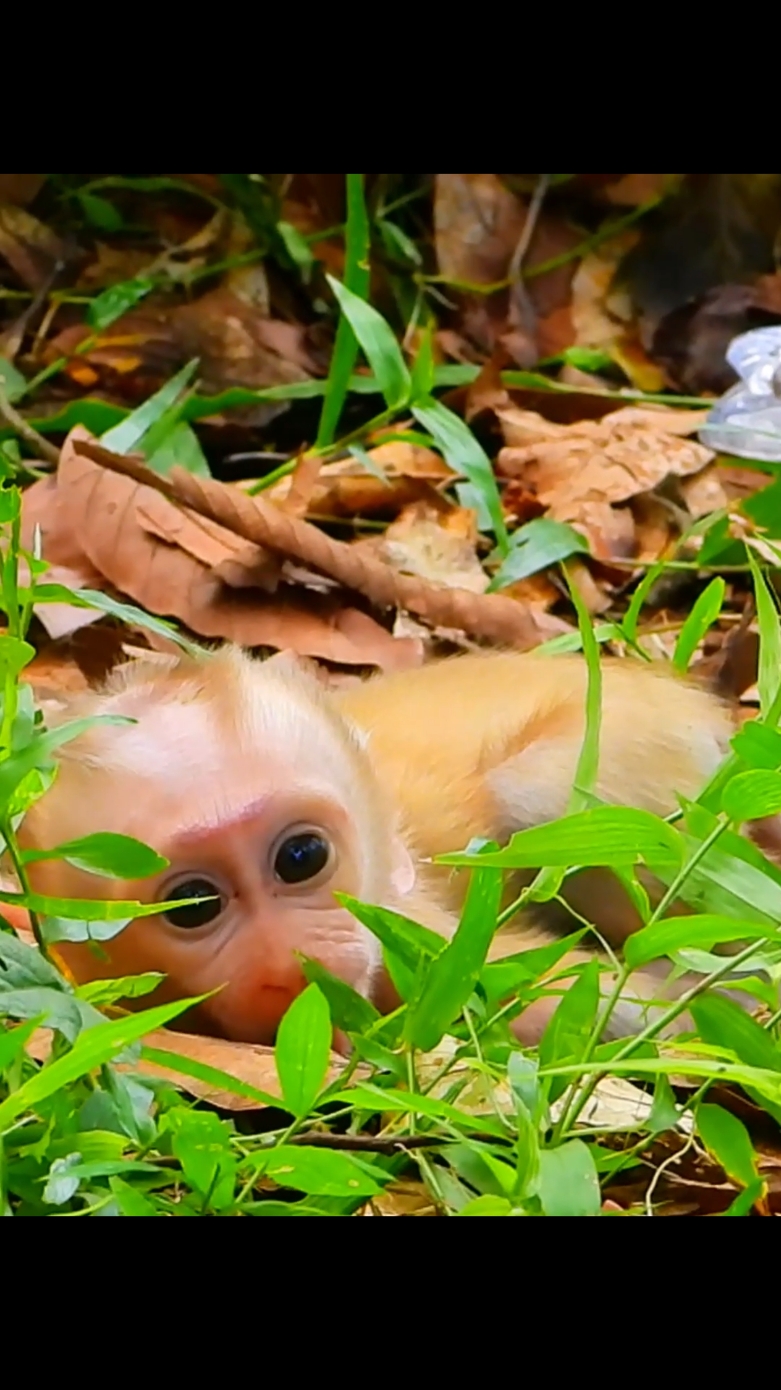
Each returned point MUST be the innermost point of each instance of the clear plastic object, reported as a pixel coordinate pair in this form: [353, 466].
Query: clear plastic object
[747, 419]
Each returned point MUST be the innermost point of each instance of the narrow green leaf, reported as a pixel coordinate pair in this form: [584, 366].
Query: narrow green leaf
[302, 1050]
[377, 1100]
[127, 435]
[746, 1199]
[124, 612]
[423, 366]
[14, 1040]
[632, 616]
[452, 976]
[568, 1184]
[681, 933]
[356, 279]
[752, 795]
[536, 546]
[107, 854]
[702, 617]
[114, 302]
[465, 455]
[769, 640]
[588, 760]
[298, 249]
[91, 1049]
[379, 344]
[728, 1140]
[212, 1076]
[604, 835]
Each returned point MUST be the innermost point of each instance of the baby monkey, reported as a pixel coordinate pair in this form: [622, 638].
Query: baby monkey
[267, 793]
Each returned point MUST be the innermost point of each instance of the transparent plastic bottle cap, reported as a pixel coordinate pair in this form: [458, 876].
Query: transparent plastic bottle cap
[747, 419]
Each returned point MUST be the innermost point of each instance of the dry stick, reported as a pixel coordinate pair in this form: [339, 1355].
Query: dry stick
[26, 432]
[501, 620]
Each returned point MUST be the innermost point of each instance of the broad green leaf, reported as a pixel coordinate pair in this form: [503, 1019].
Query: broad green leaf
[100, 213]
[130, 1200]
[724, 1023]
[114, 302]
[92, 1049]
[15, 653]
[465, 455]
[681, 933]
[349, 1010]
[702, 617]
[12, 382]
[504, 1173]
[318, 1172]
[604, 835]
[407, 939]
[63, 1012]
[568, 1184]
[379, 343]
[487, 1206]
[107, 854]
[570, 1027]
[201, 1142]
[127, 435]
[302, 1050]
[501, 978]
[23, 965]
[452, 976]
[769, 640]
[179, 449]
[746, 1199]
[665, 1111]
[61, 1184]
[103, 992]
[752, 795]
[728, 1140]
[536, 546]
[758, 745]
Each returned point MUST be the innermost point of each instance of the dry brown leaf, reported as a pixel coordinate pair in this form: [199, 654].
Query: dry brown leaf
[346, 488]
[237, 346]
[609, 460]
[632, 190]
[20, 188]
[68, 563]
[704, 493]
[610, 531]
[257, 520]
[249, 566]
[250, 1063]
[101, 510]
[654, 527]
[477, 224]
[439, 547]
[29, 247]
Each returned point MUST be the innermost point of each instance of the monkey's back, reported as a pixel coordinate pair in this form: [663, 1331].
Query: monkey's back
[486, 744]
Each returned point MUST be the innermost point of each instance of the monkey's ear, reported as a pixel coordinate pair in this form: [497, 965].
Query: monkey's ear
[402, 868]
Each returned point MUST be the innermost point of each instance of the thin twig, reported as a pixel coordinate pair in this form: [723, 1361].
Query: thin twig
[27, 432]
[529, 227]
[369, 1142]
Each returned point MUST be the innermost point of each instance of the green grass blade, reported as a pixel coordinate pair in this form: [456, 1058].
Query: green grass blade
[356, 278]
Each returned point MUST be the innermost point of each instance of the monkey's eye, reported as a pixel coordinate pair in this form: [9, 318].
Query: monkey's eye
[196, 914]
[301, 857]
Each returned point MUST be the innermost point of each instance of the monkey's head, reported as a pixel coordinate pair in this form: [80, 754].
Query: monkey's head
[263, 800]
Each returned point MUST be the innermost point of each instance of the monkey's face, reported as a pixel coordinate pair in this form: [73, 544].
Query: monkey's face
[263, 880]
